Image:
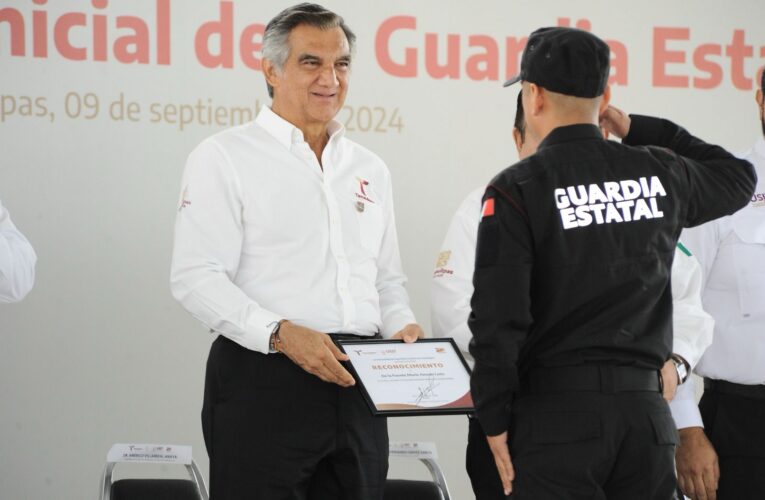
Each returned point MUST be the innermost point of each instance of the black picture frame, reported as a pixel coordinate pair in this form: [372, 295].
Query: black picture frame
[342, 344]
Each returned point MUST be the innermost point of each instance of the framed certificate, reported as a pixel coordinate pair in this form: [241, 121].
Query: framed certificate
[427, 377]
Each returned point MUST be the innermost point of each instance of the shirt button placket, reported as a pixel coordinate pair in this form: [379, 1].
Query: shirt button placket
[337, 248]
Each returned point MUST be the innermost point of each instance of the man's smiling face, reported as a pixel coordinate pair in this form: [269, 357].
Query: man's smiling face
[311, 87]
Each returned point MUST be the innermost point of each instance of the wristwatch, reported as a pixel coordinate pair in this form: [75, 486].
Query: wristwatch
[682, 368]
[274, 340]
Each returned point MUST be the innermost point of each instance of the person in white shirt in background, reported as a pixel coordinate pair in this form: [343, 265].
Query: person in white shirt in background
[285, 239]
[722, 439]
[17, 261]
[452, 289]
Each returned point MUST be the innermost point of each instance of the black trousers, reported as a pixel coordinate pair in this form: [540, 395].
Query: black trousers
[736, 427]
[582, 445]
[274, 432]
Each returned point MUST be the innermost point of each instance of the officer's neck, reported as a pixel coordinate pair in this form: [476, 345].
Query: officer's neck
[549, 123]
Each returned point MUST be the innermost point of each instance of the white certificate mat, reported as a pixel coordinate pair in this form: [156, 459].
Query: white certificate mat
[427, 377]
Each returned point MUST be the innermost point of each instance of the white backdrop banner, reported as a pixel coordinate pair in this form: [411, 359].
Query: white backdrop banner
[102, 100]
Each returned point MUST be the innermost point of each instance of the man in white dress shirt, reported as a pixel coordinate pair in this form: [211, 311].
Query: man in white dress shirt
[452, 288]
[17, 261]
[286, 237]
[731, 413]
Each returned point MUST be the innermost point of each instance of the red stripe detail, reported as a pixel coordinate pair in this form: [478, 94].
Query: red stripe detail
[488, 207]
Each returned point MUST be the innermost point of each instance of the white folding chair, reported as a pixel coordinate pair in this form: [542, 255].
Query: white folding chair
[406, 489]
[151, 489]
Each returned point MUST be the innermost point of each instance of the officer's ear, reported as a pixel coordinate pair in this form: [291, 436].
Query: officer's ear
[605, 100]
[759, 98]
[535, 100]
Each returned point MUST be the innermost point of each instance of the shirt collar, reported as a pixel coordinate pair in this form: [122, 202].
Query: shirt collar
[578, 132]
[286, 133]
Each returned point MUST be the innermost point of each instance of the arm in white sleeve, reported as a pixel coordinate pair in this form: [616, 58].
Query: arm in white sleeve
[684, 409]
[207, 247]
[17, 261]
[703, 241]
[394, 300]
[692, 326]
[452, 284]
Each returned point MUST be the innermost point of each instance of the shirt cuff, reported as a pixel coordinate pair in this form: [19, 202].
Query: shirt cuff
[492, 399]
[257, 334]
[684, 409]
[684, 350]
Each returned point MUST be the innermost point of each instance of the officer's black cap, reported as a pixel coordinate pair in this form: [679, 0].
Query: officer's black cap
[568, 61]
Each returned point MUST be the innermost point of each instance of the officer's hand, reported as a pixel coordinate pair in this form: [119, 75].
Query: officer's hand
[615, 121]
[697, 467]
[501, 452]
[410, 333]
[669, 380]
[315, 353]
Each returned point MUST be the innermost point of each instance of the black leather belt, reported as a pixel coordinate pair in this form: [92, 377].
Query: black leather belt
[725, 387]
[608, 379]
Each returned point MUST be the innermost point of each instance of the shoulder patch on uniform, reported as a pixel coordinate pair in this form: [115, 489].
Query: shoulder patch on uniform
[488, 208]
[682, 248]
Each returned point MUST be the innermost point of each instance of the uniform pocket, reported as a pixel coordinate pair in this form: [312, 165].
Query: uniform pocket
[749, 225]
[371, 225]
[565, 427]
[749, 254]
[664, 428]
[752, 293]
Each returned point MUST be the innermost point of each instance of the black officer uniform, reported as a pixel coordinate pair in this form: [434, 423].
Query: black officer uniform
[572, 308]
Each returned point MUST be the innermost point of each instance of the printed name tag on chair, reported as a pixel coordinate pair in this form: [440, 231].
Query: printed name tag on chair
[161, 453]
[413, 449]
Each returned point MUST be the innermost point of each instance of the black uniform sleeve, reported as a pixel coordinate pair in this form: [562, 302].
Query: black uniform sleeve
[500, 317]
[719, 183]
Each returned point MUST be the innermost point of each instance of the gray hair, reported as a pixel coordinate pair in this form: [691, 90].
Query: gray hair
[276, 37]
